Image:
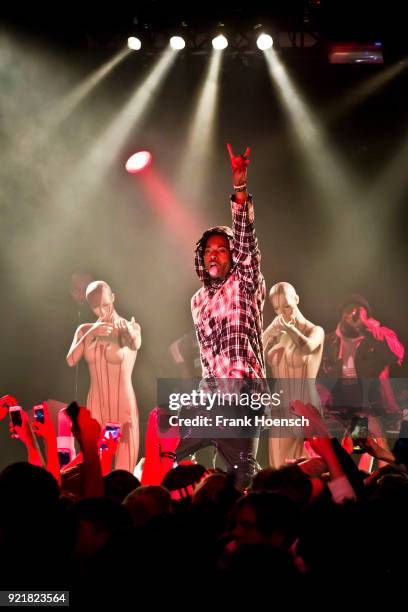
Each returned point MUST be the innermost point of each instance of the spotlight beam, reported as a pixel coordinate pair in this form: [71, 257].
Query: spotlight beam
[200, 139]
[108, 145]
[83, 89]
[170, 211]
[363, 91]
[79, 189]
[341, 198]
[317, 153]
[391, 183]
[50, 121]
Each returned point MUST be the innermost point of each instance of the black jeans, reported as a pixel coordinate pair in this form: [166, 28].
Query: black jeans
[237, 452]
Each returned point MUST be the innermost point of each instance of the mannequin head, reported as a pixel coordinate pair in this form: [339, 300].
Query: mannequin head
[284, 300]
[101, 299]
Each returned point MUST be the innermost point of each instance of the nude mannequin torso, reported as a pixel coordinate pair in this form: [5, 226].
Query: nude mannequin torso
[294, 347]
[294, 369]
[110, 347]
[111, 396]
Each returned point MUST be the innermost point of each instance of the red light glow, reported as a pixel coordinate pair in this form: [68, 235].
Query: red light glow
[138, 162]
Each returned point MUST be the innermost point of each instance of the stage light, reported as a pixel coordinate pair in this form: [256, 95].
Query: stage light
[264, 41]
[356, 53]
[220, 42]
[177, 43]
[134, 43]
[138, 161]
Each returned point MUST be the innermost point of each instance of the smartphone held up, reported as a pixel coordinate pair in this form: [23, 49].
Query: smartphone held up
[15, 415]
[111, 432]
[39, 413]
[359, 433]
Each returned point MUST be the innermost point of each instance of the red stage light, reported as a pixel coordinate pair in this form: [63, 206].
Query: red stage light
[138, 162]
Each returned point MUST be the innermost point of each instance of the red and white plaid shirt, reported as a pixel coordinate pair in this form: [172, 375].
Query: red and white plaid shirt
[227, 314]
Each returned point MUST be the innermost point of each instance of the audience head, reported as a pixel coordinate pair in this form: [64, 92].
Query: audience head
[266, 518]
[118, 484]
[147, 502]
[288, 480]
[182, 480]
[96, 520]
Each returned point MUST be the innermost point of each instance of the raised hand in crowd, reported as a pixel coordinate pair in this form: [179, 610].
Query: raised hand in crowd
[314, 467]
[319, 439]
[108, 446]
[88, 432]
[372, 447]
[46, 430]
[161, 444]
[5, 403]
[24, 433]
[317, 426]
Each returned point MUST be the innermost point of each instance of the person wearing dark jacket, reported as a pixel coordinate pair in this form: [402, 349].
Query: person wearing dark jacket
[357, 357]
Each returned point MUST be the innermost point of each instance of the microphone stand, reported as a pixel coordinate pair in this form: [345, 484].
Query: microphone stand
[77, 363]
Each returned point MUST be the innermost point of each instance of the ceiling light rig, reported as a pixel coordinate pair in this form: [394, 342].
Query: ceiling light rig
[301, 34]
[134, 43]
[220, 42]
[177, 43]
[264, 42]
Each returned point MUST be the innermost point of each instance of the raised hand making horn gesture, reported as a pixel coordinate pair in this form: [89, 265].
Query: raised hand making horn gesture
[239, 165]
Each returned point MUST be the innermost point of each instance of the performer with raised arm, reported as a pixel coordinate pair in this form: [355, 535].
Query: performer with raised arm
[110, 347]
[227, 314]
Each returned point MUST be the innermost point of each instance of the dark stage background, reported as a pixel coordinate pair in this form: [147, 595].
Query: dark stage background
[325, 245]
